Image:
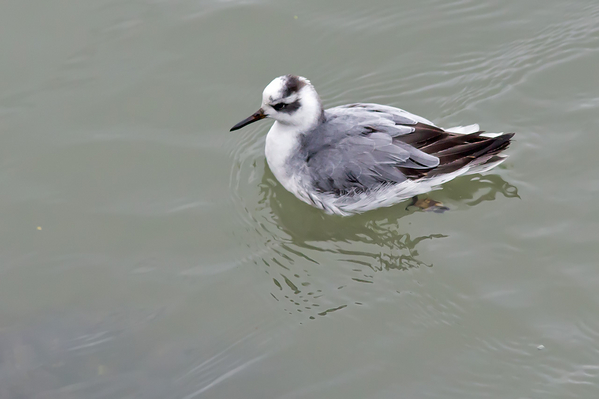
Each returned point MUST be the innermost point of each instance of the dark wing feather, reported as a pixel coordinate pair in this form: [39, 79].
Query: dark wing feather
[362, 146]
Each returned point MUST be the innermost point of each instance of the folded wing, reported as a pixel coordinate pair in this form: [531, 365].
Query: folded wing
[373, 145]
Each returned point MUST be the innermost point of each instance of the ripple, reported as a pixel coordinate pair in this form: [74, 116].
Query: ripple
[466, 78]
[319, 264]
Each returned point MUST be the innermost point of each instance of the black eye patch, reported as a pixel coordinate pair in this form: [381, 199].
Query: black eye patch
[287, 108]
[279, 106]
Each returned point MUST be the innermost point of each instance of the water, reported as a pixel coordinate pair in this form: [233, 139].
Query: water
[147, 252]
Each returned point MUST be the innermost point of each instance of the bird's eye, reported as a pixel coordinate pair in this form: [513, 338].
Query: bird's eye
[279, 106]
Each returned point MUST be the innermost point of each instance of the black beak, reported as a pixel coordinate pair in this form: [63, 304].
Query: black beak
[255, 117]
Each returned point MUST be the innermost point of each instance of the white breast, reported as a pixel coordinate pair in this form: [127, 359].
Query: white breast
[282, 142]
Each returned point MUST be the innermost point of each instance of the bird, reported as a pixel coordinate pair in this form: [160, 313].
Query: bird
[358, 157]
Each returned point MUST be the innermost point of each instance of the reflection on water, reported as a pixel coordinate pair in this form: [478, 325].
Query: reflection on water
[312, 258]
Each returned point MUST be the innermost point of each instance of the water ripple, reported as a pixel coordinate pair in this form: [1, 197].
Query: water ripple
[316, 262]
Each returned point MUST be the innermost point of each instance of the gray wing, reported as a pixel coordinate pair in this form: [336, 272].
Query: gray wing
[385, 111]
[362, 146]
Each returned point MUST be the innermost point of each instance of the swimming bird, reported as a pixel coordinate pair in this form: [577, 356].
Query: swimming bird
[358, 157]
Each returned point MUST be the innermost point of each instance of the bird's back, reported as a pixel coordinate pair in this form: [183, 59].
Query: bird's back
[363, 147]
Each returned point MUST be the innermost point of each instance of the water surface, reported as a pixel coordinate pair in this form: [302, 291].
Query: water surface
[147, 252]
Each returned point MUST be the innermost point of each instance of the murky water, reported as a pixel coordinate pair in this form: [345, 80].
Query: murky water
[147, 252]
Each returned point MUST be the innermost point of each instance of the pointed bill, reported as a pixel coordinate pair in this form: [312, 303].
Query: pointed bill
[251, 119]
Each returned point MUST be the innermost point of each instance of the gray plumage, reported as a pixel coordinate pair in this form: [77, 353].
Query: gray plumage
[358, 147]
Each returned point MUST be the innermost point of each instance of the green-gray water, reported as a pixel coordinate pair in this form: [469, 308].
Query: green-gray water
[146, 252]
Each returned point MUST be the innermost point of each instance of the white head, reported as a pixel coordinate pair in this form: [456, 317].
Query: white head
[290, 100]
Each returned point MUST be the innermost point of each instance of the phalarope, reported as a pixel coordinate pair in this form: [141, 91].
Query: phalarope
[357, 157]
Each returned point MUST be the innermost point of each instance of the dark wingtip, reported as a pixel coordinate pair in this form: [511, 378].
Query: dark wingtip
[501, 143]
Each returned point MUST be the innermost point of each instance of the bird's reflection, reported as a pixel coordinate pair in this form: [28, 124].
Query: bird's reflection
[310, 255]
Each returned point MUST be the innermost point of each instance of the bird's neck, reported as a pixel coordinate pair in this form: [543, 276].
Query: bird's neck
[282, 143]
[310, 114]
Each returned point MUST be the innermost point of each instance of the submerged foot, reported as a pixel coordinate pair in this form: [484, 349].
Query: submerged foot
[428, 205]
